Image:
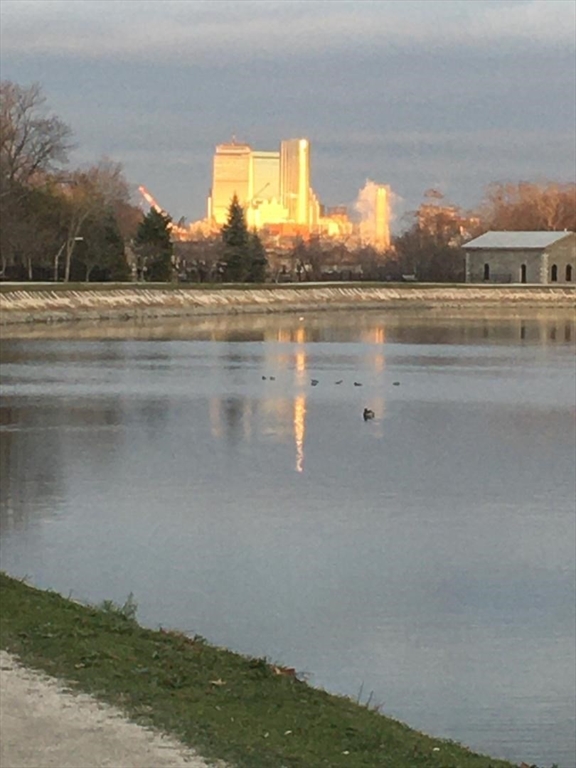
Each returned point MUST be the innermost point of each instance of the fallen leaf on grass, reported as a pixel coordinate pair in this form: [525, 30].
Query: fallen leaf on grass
[286, 671]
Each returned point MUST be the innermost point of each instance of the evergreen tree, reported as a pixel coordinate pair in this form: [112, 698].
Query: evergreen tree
[257, 261]
[154, 246]
[244, 254]
[236, 244]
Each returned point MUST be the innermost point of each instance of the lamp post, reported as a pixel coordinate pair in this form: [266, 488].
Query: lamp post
[57, 257]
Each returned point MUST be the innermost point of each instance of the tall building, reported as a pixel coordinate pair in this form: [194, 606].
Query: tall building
[382, 218]
[295, 179]
[373, 204]
[264, 205]
[265, 176]
[231, 176]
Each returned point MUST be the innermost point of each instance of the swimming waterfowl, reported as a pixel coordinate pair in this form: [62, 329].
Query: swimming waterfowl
[368, 414]
[357, 384]
[314, 382]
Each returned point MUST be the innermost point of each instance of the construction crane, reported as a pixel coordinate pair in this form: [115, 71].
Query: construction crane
[150, 200]
[177, 231]
[255, 202]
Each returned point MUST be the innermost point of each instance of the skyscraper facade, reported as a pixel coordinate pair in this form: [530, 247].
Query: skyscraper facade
[231, 176]
[373, 204]
[382, 218]
[265, 176]
[295, 179]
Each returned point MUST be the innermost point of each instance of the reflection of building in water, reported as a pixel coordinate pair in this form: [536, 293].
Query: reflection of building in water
[377, 337]
[300, 401]
[279, 414]
[300, 358]
[299, 429]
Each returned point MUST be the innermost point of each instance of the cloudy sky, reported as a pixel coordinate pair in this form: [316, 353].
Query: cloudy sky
[452, 94]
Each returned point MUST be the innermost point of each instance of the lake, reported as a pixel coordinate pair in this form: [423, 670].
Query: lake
[423, 560]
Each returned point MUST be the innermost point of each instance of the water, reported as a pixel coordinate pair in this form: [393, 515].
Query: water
[424, 559]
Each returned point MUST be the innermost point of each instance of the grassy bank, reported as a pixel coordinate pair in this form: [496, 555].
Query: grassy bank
[247, 711]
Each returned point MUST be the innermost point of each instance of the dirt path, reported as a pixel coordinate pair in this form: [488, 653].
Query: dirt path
[44, 726]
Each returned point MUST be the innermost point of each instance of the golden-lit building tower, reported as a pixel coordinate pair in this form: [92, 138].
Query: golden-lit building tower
[231, 176]
[373, 204]
[314, 214]
[265, 176]
[295, 179]
[382, 218]
[264, 205]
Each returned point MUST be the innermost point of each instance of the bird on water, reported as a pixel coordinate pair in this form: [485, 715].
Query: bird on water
[368, 414]
[314, 382]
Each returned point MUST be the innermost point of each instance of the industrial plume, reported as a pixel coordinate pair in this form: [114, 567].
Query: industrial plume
[373, 206]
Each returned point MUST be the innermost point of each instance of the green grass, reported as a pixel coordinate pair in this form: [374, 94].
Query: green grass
[247, 711]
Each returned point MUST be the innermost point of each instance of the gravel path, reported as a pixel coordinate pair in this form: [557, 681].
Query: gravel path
[44, 726]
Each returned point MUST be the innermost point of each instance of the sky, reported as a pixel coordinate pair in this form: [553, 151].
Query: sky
[417, 94]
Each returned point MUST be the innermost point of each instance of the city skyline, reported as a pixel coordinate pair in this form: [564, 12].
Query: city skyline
[274, 190]
[451, 95]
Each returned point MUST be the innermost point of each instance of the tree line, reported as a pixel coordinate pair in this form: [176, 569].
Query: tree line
[62, 224]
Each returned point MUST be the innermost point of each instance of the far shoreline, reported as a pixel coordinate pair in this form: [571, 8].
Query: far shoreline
[26, 304]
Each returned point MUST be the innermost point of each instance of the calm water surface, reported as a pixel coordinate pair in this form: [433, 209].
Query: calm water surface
[425, 558]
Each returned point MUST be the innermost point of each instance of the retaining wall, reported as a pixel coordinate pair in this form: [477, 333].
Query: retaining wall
[22, 304]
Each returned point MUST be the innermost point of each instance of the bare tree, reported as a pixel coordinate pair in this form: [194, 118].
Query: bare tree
[90, 194]
[529, 206]
[31, 141]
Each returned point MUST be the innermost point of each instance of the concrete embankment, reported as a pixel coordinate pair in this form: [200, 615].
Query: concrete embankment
[25, 303]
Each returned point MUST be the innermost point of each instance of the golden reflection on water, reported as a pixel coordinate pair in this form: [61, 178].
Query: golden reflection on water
[300, 399]
[299, 430]
[376, 336]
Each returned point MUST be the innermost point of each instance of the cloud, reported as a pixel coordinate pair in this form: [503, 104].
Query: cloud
[412, 94]
[188, 30]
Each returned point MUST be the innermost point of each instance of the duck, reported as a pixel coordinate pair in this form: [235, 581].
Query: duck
[314, 382]
[339, 381]
[368, 414]
[357, 384]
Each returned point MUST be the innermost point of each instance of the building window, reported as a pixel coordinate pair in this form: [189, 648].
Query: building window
[568, 273]
[554, 273]
[486, 271]
[523, 273]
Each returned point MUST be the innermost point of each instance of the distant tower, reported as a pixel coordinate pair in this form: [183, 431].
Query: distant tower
[265, 176]
[295, 179]
[231, 176]
[373, 204]
[382, 218]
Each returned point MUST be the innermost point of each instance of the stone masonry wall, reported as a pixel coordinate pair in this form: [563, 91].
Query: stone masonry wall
[19, 305]
[562, 255]
[505, 264]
